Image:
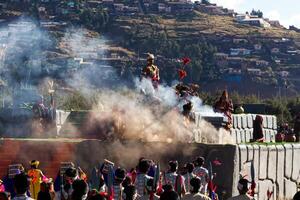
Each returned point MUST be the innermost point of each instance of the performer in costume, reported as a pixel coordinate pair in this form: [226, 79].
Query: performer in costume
[202, 173]
[174, 179]
[70, 176]
[258, 135]
[117, 184]
[142, 177]
[151, 71]
[36, 176]
[224, 105]
[189, 167]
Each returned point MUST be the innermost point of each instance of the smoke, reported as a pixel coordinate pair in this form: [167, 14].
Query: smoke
[146, 113]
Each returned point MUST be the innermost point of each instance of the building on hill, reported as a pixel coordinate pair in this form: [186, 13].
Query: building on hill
[239, 52]
[294, 28]
[252, 20]
[180, 7]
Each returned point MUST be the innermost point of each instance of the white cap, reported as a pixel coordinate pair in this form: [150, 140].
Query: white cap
[150, 56]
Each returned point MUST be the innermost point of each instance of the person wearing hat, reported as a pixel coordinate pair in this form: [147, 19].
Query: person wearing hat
[176, 180]
[243, 188]
[36, 176]
[201, 173]
[151, 71]
[224, 105]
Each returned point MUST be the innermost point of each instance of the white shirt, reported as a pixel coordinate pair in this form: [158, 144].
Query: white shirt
[202, 173]
[22, 197]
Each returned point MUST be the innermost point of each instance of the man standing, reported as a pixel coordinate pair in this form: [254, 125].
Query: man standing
[194, 193]
[201, 173]
[174, 179]
[151, 71]
[243, 188]
[21, 185]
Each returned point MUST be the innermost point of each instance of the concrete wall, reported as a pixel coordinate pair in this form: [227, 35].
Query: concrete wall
[277, 168]
[242, 130]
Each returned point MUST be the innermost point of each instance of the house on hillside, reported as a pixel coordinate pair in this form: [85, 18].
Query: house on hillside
[254, 71]
[180, 7]
[239, 52]
[252, 20]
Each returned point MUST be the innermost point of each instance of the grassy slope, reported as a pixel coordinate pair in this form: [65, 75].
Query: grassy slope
[199, 24]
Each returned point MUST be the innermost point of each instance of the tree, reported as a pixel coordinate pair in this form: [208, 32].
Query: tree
[259, 13]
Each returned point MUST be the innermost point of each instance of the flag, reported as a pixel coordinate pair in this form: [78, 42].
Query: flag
[185, 60]
[217, 162]
[269, 194]
[182, 74]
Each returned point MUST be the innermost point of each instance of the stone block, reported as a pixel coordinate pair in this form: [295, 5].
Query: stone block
[296, 163]
[239, 121]
[288, 157]
[256, 161]
[249, 121]
[263, 187]
[233, 135]
[244, 121]
[243, 135]
[238, 136]
[290, 189]
[235, 121]
[248, 135]
[270, 122]
[243, 155]
[250, 153]
[263, 161]
[274, 122]
[265, 124]
[280, 171]
[272, 160]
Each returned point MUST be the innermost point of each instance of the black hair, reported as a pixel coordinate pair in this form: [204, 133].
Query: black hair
[4, 195]
[71, 172]
[167, 187]
[297, 196]
[173, 166]
[120, 174]
[96, 197]
[199, 161]
[80, 188]
[243, 186]
[130, 191]
[21, 183]
[169, 195]
[144, 166]
[196, 184]
[44, 196]
[190, 167]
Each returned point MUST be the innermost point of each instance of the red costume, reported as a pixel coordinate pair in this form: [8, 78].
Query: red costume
[224, 105]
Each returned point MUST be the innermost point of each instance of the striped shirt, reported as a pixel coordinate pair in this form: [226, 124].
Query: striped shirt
[140, 183]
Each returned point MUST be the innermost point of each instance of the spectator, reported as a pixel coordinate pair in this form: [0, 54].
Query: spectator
[21, 184]
[142, 177]
[195, 191]
[169, 195]
[189, 167]
[176, 180]
[80, 190]
[243, 188]
[120, 174]
[130, 193]
[202, 173]
[4, 196]
[70, 176]
[150, 191]
[47, 191]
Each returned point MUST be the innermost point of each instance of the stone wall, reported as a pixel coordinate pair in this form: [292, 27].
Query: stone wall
[242, 130]
[277, 169]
